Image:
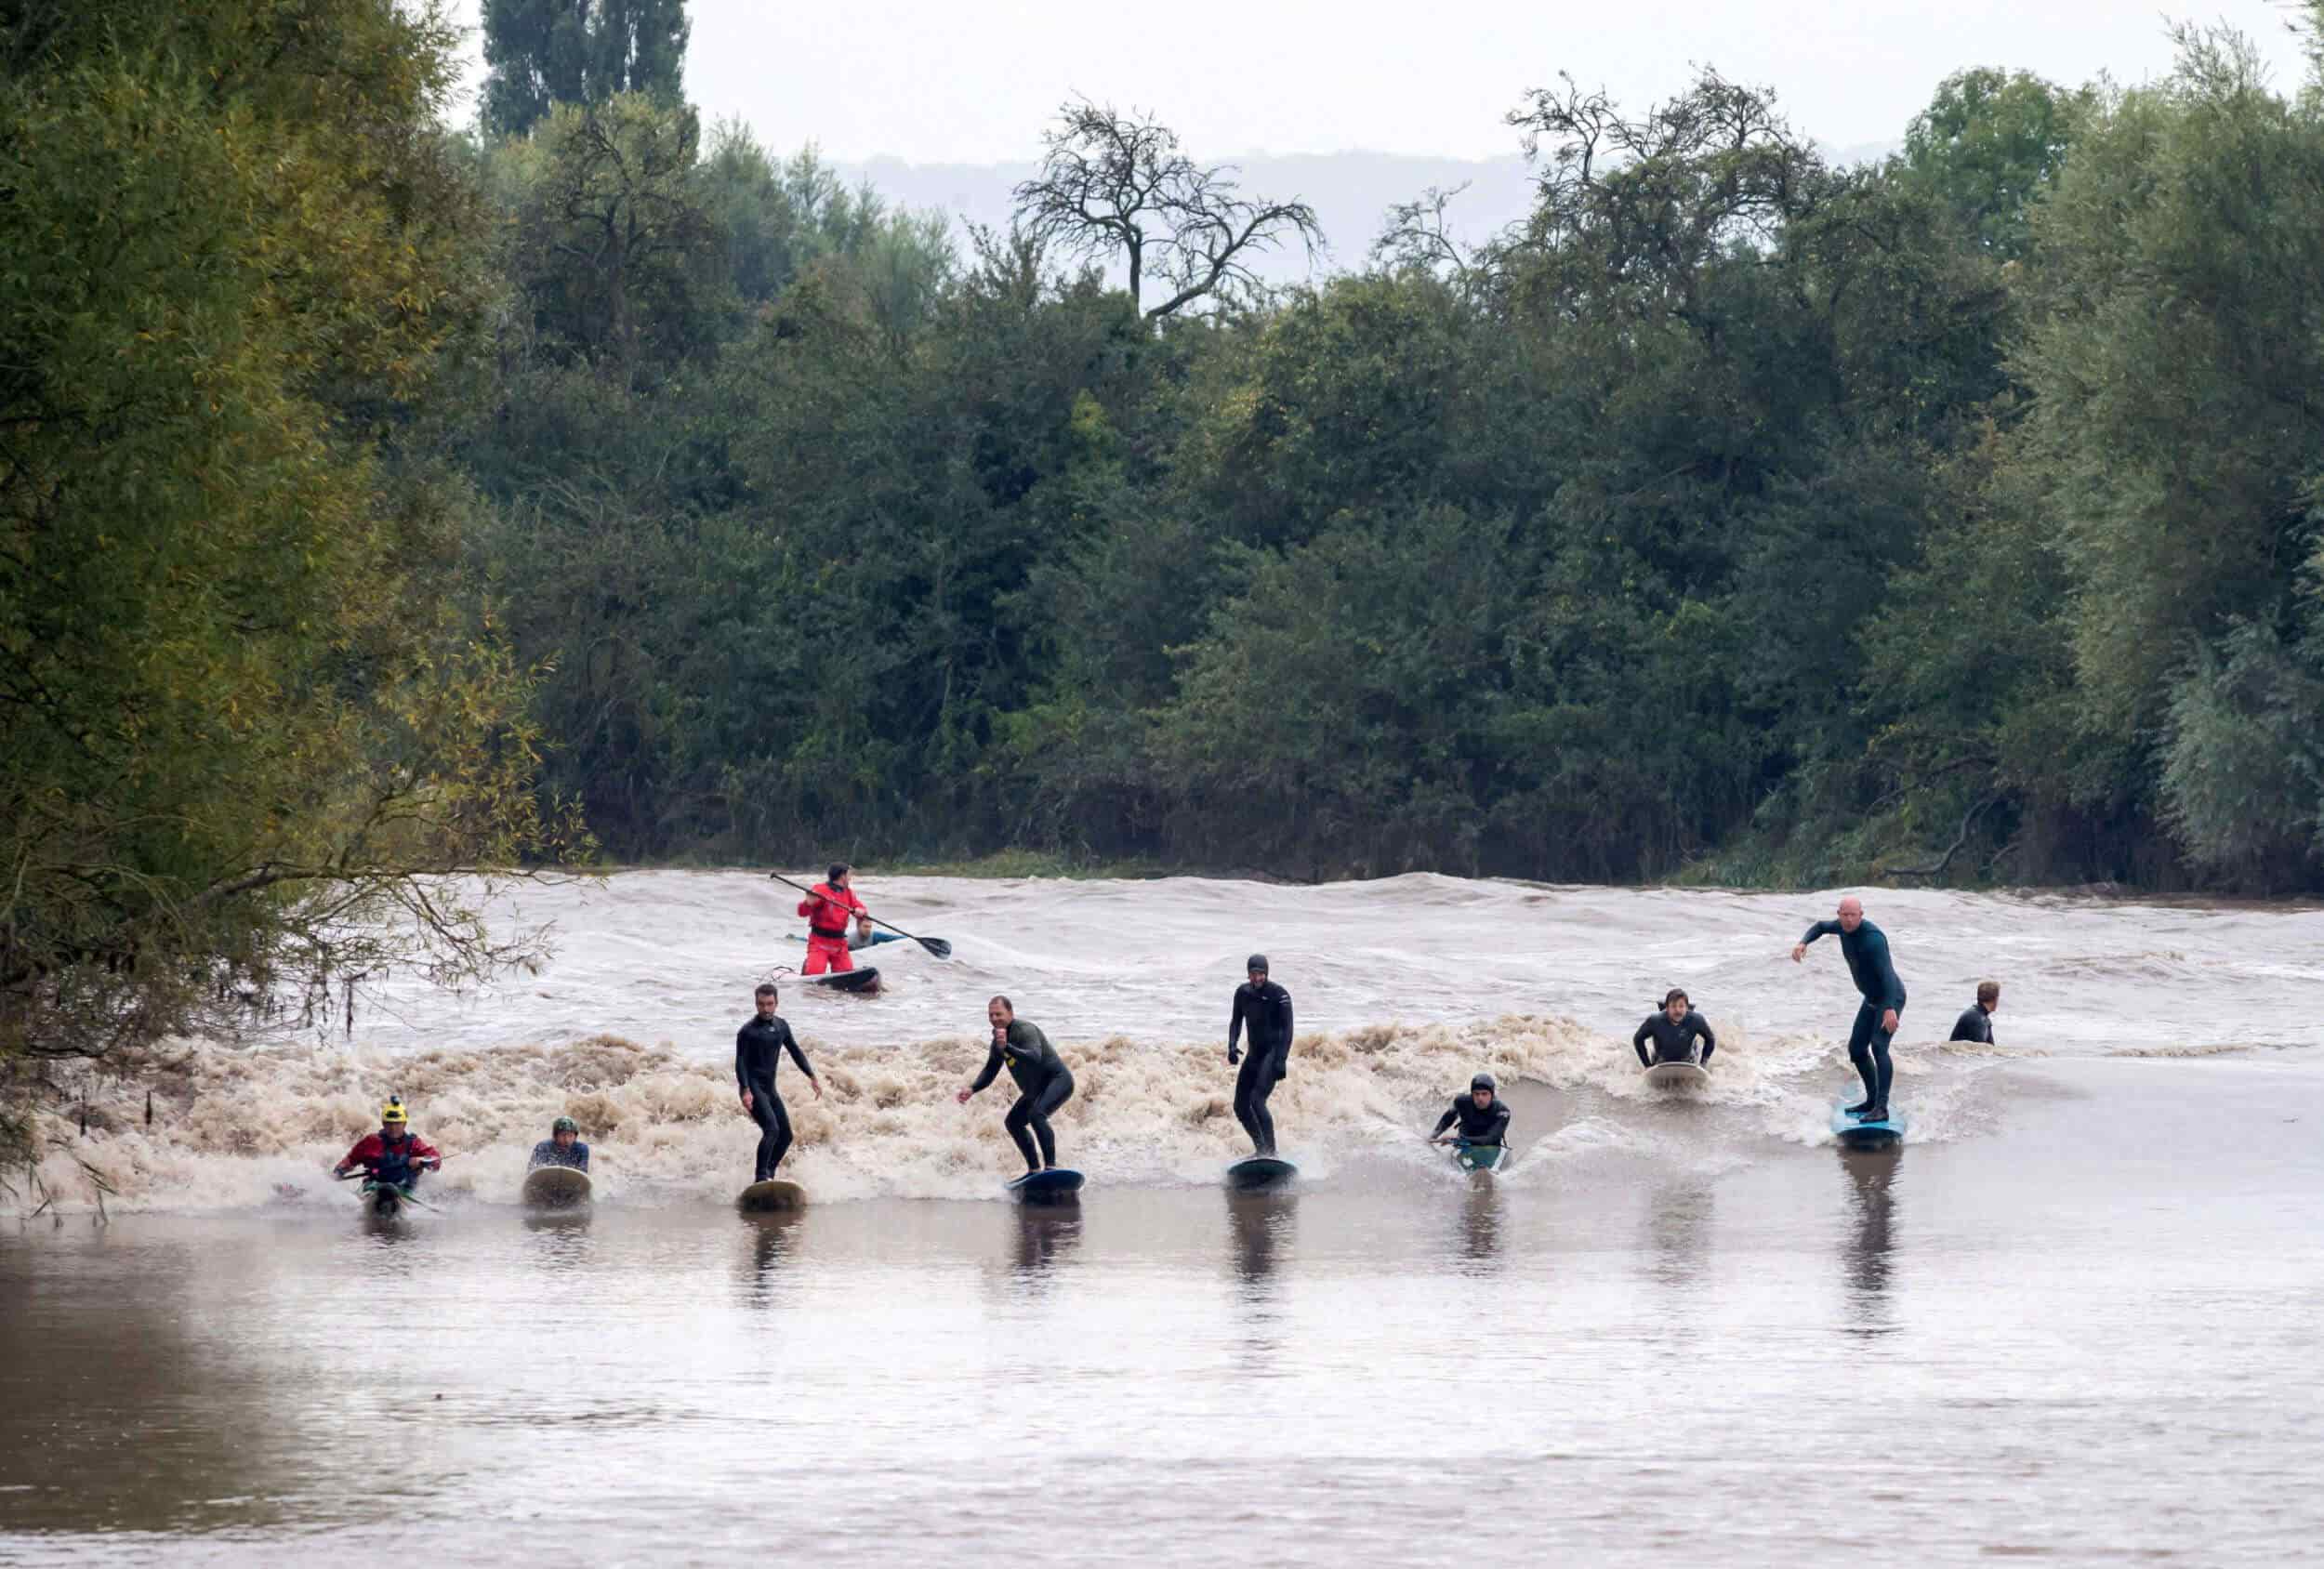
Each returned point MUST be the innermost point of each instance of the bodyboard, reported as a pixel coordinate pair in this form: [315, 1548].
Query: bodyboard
[556, 1187]
[1479, 1157]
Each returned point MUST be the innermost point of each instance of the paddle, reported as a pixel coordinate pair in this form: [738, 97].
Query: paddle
[935, 945]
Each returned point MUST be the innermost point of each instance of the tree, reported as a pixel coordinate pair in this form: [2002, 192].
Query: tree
[542, 53]
[1119, 182]
[243, 735]
[1990, 143]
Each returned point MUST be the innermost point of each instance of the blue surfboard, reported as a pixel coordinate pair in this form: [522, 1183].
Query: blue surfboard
[1858, 1134]
[1053, 1186]
[1259, 1171]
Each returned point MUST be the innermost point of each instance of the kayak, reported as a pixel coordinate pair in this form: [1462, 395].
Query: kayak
[386, 1198]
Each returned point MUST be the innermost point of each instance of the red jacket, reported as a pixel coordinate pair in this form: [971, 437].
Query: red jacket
[372, 1149]
[818, 913]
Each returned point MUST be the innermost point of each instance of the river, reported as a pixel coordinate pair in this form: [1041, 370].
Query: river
[2072, 1317]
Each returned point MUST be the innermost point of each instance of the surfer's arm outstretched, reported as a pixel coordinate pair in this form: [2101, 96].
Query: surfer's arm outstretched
[992, 1070]
[1821, 928]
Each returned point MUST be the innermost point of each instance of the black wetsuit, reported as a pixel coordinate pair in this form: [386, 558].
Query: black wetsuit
[545, 1153]
[1485, 1126]
[1977, 1025]
[758, 1047]
[1267, 1009]
[1866, 949]
[1043, 1085]
[1673, 1043]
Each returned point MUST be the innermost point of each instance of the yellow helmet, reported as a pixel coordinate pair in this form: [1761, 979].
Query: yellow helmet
[394, 1111]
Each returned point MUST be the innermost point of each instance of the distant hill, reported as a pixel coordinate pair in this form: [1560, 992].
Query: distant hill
[1351, 193]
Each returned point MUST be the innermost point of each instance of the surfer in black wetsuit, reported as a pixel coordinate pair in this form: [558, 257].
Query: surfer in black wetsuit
[1266, 1007]
[1483, 1118]
[1866, 949]
[758, 1047]
[1675, 1030]
[1043, 1082]
[1977, 1025]
[563, 1147]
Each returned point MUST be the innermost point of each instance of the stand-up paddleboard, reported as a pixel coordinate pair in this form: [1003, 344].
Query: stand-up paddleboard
[1054, 1186]
[774, 1193]
[1260, 1171]
[1857, 1134]
[1479, 1157]
[1678, 1076]
[863, 979]
[556, 1187]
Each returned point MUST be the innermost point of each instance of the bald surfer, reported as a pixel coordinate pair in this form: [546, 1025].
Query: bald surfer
[1266, 1007]
[1043, 1082]
[758, 1047]
[1866, 948]
[1674, 1028]
[1977, 1023]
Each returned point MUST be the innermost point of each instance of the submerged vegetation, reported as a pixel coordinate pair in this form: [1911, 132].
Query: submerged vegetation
[379, 500]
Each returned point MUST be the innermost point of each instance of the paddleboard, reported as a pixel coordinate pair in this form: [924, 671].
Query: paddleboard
[774, 1193]
[857, 944]
[1053, 1186]
[863, 979]
[556, 1187]
[1479, 1157]
[1259, 1171]
[1858, 1134]
[1678, 1076]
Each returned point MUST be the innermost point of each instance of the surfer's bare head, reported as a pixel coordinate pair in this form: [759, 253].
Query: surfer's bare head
[1850, 913]
[765, 994]
[1675, 1003]
[1000, 1010]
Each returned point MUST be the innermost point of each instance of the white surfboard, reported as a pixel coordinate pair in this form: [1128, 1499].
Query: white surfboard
[556, 1187]
[1678, 1076]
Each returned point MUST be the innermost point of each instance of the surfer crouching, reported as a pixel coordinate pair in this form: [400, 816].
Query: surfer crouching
[1043, 1082]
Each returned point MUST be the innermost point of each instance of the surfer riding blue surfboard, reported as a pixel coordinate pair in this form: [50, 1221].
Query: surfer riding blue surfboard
[758, 1047]
[1866, 948]
[1673, 1029]
[1484, 1120]
[1043, 1083]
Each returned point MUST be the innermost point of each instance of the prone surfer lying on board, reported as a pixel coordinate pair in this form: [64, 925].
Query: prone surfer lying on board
[827, 906]
[1482, 1116]
[395, 1154]
[563, 1147]
[1675, 1030]
[1866, 948]
[758, 1047]
[1043, 1082]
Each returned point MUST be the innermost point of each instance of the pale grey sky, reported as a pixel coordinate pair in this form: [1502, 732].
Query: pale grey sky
[935, 82]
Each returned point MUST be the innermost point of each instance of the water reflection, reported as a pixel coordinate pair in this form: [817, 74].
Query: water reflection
[1481, 1221]
[1680, 1212]
[1259, 1223]
[1872, 1178]
[773, 1235]
[1047, 1236]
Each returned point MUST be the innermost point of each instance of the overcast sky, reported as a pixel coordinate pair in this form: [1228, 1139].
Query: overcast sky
[975, 82]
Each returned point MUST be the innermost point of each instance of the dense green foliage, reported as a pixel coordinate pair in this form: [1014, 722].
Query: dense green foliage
[237, 718]
[1736, 516]
[543, 53]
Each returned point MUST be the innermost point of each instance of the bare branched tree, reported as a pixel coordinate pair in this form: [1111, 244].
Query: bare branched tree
[1112, 182]
[1414, 234]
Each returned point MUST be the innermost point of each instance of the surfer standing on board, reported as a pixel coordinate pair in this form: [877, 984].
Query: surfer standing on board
[1866, 948]
[1266, 1007]
[758, 1047]
[827, 906]
[1674, 1029]
[1043, 1082]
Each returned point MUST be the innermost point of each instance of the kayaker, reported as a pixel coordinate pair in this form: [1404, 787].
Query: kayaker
[758, 1047]
[827, 906]
[1674, 1029]
[395, 1155]
[1482, 1114]
[1266, 1007]
[1043, 1081]
[1977, 1023]
[1866, 948]
[563, 1147]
